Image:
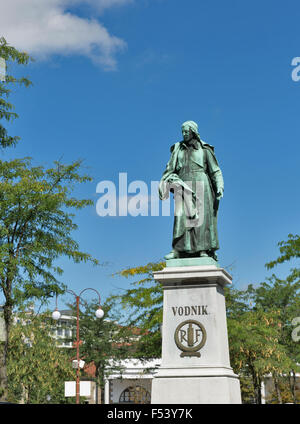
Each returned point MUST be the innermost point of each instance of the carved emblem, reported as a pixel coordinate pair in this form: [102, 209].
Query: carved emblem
[190, 337]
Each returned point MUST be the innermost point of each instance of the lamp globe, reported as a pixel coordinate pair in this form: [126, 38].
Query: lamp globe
[99, 313]
[56, 315]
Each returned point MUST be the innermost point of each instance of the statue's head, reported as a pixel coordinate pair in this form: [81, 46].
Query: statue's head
[189, 130]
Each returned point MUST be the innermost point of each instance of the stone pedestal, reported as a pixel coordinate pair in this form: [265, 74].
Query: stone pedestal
[195, 366]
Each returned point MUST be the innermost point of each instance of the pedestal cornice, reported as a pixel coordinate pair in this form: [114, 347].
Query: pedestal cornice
[192, 275]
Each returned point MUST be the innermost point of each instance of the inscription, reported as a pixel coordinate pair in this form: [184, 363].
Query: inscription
[190, 310]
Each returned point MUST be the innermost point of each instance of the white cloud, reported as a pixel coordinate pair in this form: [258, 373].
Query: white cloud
[102, 4]
[47, 27]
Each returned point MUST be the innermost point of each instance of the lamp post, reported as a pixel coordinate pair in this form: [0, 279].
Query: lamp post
[99, 314]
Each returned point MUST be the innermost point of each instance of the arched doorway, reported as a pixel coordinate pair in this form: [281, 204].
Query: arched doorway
[135, 394]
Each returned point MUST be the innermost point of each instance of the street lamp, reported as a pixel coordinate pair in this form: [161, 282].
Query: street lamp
[56, 314]
[99, 314]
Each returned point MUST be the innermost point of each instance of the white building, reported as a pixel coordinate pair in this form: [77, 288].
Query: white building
[63, 330]
[132, 384]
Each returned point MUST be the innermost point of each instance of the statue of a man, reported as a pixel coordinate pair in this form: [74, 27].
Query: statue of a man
[194, 176]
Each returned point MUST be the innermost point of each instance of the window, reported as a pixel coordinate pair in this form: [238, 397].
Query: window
[136, 394]
[68, 333]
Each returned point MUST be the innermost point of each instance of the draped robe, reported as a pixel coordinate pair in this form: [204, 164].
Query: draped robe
[195, 178]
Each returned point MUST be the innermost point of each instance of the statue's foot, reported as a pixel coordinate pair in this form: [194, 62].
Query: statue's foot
[172, 255]
[203, 253]
[215, 257]
[212, 254]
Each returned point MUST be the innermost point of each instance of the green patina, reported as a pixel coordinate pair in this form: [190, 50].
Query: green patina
[194, 177]
[201, 261]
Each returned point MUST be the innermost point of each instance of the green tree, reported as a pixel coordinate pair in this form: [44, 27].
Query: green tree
[11, 56]
[285, 293]
[143, 307]
[284, 296]
[36, 226]
[284, 388]
[289, 249]
[105, 341]
[254, 346]
[275, 301]
[37, 367]
[238, 303]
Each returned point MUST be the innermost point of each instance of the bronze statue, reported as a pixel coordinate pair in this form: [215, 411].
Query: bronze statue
[194, 177]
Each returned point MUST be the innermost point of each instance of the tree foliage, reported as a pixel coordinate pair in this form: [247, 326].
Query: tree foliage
[289, 249]
[254, 346]
[260, 322]
[143, 307]
[36, 228]
[11, 56]
[37, 367]
[105, 341]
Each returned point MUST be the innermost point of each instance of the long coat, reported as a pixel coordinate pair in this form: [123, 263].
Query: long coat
[194, 176]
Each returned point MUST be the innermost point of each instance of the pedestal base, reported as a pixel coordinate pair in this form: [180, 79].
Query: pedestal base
[196, 390]
[195, 366]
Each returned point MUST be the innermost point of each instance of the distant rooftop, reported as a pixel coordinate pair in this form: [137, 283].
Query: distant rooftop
[67, 312]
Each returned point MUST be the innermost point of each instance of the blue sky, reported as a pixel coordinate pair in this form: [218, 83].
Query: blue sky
[119, 105]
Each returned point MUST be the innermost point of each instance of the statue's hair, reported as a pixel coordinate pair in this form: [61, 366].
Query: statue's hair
[193, 126]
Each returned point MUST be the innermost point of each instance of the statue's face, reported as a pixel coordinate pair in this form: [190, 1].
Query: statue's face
[186, 133]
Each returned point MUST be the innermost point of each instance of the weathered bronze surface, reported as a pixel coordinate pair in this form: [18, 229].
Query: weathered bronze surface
[195, 178]
[189, 341]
